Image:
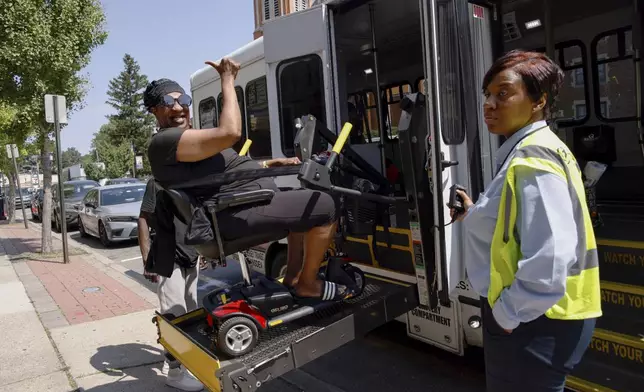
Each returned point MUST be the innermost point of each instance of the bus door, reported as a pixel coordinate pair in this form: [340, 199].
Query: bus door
[453, 147]
[298, 53]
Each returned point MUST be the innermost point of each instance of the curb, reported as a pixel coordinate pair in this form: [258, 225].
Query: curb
[107, 266]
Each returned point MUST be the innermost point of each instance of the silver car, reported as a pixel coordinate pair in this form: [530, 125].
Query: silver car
[111, 212]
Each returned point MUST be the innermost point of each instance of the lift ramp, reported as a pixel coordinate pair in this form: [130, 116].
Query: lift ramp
[286, 347]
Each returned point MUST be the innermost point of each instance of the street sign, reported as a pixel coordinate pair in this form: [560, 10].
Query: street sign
[56, 113]
[139, 162]
[9, 147]
[61, 107]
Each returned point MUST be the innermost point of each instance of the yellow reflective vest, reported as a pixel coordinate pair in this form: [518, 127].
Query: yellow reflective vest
[544, 151]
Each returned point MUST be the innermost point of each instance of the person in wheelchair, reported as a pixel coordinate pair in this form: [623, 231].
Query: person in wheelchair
[178, 153]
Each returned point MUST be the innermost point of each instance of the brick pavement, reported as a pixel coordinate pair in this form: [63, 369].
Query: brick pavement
[71, 293]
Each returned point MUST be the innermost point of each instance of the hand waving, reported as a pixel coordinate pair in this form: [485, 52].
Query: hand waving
[226, 67]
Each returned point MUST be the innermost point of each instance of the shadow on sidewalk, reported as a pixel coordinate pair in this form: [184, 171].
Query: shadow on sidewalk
[126, 367]
[95, 243]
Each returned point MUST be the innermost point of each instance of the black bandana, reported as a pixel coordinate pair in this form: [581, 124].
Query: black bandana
[153, 95]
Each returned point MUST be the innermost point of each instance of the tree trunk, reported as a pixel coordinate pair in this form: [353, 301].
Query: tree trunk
[11, 199]
[45, 163]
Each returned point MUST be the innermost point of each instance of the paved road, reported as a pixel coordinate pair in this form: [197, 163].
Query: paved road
[386, 360]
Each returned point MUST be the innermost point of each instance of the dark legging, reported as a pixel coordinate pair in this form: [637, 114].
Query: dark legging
[293, 211]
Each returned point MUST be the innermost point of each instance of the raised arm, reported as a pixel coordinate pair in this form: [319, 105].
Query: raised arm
[198, 144]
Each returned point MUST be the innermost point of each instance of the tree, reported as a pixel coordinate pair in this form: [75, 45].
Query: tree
[131, 123]
[71, 157]
[44, 45]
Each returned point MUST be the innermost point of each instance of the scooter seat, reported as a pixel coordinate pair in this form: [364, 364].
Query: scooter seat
[184, 204]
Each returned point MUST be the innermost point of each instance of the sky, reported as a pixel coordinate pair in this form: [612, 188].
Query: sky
[168, 38]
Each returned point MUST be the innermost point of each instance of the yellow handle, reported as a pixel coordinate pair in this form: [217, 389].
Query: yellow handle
[344, 135]
[245, 148]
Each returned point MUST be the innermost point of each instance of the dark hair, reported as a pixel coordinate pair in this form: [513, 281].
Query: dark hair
[539, 73]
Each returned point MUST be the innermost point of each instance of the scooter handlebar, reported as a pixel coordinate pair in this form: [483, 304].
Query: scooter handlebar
[339, 144]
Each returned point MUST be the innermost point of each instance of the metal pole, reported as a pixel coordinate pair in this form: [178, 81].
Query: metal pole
[381, 129]
[61, 194]
[134, 160]
[22, 201]
[550, 29]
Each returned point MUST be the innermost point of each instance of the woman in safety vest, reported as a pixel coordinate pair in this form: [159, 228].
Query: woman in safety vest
[530, 248]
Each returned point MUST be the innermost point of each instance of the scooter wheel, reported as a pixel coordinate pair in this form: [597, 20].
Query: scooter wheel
[237, 336]
[357, 276]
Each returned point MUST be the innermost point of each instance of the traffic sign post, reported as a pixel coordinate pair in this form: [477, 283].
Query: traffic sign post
[12, 153]
[56, 113]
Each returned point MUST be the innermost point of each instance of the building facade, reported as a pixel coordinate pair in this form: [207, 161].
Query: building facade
[271, 9]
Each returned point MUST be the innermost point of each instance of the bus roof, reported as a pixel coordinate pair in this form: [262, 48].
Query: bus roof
[247, 54]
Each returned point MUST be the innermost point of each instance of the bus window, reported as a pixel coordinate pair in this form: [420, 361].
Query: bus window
[208, 113]
[614, 76]
[572, 106]
[240, 101]
[300, 87]
[259, 130]
[394, 95]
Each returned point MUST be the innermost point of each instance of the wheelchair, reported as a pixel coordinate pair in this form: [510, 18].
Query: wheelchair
[238, 314]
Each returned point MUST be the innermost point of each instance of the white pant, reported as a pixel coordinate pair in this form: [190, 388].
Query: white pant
[178, 295]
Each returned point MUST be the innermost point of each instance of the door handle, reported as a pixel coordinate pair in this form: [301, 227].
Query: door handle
[445, 164]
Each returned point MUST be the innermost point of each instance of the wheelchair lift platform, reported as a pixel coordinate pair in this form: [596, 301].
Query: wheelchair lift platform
[285, 347]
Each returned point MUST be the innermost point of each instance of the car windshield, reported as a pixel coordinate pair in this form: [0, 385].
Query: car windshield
[124, 195]
[77, 190]
[25, 191]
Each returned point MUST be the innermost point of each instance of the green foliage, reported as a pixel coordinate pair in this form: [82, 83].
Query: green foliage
[44, 46]
[94, 171]
[116, 156]
[71, 157]
[131, 123]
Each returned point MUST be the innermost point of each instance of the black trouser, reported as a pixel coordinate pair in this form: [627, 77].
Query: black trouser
[537, 356]
[294, 211]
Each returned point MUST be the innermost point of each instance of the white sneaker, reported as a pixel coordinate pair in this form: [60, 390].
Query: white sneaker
[165, 369]
[183, 380]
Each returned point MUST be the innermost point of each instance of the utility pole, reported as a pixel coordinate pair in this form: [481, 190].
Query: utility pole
[56, 112]
[133, 160]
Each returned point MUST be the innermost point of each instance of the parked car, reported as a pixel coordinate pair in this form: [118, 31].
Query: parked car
[36, 204]
[74, 192]
[115, 181]
[26, 198]
[111, 212]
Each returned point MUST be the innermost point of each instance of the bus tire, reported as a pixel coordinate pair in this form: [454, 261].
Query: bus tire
[278, 265]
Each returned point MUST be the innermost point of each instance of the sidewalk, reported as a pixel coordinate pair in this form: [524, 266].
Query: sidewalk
[84, 326]
[68, 326]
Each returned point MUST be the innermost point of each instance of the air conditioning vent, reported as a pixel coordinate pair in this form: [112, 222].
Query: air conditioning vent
[511, 30]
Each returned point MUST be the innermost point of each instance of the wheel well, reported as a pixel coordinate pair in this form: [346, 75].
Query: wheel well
[272, 252]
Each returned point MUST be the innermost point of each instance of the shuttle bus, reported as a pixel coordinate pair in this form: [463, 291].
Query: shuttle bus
[357, 60]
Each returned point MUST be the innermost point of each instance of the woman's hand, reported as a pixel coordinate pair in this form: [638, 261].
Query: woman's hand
[467, 203]
[282, 162]
[226, 67]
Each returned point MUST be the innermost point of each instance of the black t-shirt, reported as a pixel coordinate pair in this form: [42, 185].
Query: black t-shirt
[162, 154]
[184, 255]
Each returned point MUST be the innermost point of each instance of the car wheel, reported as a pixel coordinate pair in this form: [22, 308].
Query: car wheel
[81, 228]
[56, 225]
[103, 235]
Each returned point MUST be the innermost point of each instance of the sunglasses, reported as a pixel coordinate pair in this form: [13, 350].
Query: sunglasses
[183, 100]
